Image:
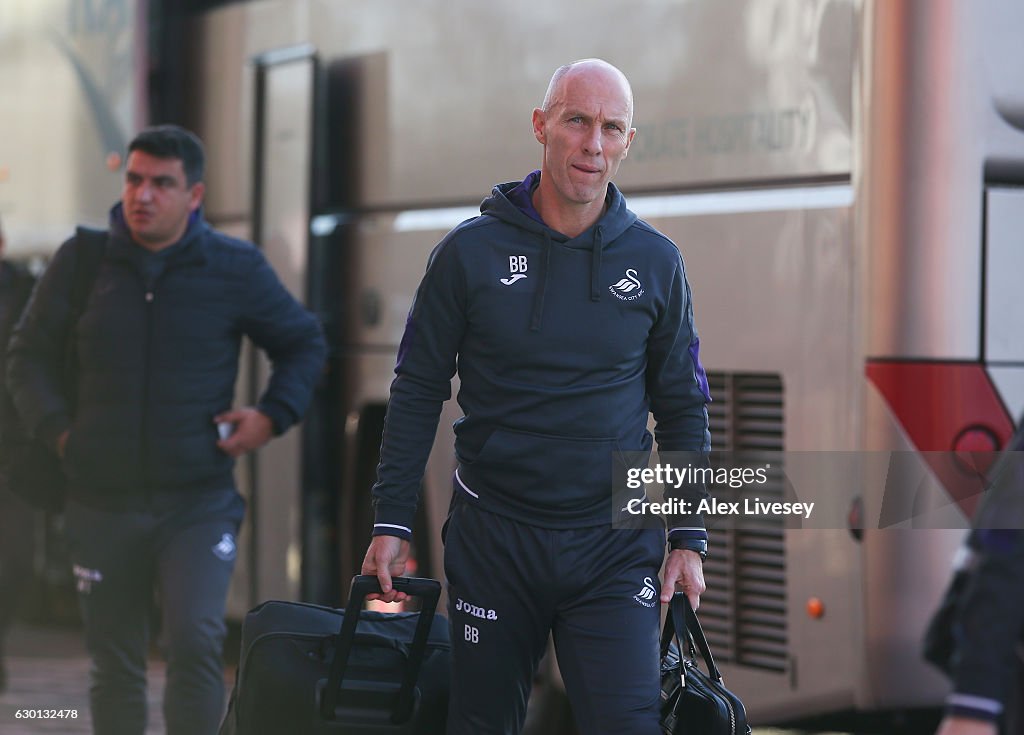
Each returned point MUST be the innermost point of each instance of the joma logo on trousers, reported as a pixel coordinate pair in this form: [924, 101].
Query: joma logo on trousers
[475, 610]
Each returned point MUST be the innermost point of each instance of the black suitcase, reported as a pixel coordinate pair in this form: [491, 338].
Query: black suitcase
[312, 669]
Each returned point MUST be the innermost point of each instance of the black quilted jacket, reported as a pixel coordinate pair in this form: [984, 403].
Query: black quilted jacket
[157, 353]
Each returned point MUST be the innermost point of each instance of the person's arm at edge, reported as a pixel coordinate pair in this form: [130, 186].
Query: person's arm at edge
[989, 621]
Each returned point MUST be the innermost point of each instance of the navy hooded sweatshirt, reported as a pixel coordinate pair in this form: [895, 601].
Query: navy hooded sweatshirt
[562, 346]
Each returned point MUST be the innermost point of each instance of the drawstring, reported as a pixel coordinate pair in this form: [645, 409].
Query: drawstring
[542, 287]
[595, 266]
[537, 314]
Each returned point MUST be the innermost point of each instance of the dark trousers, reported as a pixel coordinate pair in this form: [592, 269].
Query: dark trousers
[595, 589]
[184, 552]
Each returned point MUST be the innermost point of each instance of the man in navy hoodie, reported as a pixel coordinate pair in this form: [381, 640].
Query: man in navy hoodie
[569, 320]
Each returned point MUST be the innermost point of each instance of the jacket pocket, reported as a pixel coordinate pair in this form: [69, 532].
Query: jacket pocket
[544, 471]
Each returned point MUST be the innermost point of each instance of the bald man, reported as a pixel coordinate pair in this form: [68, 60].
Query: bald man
[569, 320]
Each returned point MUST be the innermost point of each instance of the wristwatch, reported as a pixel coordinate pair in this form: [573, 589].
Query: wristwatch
[699, 545]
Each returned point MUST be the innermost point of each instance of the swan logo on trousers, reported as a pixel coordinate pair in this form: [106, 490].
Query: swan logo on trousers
[627, 288]
[648, 594]
[225, 548]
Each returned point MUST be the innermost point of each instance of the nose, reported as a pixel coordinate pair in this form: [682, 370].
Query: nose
[144, 192]
[592, 141]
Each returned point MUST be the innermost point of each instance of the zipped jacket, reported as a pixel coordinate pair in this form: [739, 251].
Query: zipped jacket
[157, 350]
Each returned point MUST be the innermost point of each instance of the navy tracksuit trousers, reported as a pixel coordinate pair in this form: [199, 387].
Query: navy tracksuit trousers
[183, 550]
[595, 589]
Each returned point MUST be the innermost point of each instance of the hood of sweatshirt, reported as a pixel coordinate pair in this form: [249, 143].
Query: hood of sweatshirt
[616, 220]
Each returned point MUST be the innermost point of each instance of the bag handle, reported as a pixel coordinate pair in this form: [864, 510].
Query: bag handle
[429, 591]
[681, 623]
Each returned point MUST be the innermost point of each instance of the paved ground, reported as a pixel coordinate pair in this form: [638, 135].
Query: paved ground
[48, 670]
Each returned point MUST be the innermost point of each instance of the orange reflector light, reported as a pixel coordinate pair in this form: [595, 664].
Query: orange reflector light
[113, 161]
[815, 608]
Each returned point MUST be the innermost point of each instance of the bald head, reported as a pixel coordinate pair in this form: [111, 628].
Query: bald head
[596, 67]
[585, 128]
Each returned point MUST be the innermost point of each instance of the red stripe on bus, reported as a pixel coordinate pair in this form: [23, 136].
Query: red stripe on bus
[937, 403]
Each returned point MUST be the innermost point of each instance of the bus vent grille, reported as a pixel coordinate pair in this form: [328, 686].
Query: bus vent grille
[743, 611]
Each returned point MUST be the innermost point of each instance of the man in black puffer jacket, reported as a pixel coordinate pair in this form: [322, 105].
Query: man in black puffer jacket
[149, 444]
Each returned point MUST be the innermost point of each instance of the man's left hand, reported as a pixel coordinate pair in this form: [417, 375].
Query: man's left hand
[683, 572]
[252, 430]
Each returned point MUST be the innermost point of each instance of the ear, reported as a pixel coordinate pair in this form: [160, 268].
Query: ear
[538, 125]
[629, 141]
[196, 196]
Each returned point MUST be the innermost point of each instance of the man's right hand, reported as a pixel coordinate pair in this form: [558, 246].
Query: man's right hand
[385, 559]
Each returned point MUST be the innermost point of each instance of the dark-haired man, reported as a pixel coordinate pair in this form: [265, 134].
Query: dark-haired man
[152, 502]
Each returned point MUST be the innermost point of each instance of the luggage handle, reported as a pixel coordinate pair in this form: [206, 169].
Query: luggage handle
[682, 621]
[429, 591]
[367, 584]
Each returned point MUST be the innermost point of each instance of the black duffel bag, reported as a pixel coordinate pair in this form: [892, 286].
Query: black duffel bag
[310, 669]
[692, 702]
